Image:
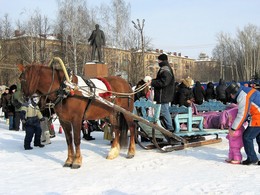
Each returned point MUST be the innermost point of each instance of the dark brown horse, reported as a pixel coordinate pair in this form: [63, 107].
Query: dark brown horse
[72, 107]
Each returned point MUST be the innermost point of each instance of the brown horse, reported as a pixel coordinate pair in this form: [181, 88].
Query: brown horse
[72, 107]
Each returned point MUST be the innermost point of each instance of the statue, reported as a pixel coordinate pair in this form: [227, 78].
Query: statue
[97, 39]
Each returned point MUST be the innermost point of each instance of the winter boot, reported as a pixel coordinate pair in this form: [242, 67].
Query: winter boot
[28, 148]
[39, 145]
[88, 137]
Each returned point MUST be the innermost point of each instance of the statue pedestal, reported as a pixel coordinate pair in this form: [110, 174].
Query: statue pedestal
[92, 70]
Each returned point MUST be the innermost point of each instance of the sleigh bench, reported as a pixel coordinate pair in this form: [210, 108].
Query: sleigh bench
[185, 115]
[149, 111]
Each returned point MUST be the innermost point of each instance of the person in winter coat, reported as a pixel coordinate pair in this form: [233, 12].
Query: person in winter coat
[17, 102]
[199, 93]
[142, 93]
[163, 86]
[184, 95]
[221, 94]
[9, 107]
[3, 96]
[248, 100]
[210, 92]
[31, 117]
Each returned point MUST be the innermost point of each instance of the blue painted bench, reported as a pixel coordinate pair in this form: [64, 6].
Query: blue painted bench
[184, 114]
[141, 107]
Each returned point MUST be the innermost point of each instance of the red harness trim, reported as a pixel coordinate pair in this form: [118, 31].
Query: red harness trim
[106, 94]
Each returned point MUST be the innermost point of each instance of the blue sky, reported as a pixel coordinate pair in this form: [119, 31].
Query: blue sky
[187, 26]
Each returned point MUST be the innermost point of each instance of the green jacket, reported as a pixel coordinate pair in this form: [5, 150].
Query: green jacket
[17, 98]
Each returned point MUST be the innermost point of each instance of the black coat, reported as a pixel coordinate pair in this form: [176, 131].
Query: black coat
[7, 104]
[163, 84]
[199, 93]
[183, 95]
[210, 92]
[220, 91]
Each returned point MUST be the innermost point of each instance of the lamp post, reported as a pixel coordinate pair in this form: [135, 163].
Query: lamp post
[140, 28]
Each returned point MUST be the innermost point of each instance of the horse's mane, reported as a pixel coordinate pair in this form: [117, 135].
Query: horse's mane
[33, 71]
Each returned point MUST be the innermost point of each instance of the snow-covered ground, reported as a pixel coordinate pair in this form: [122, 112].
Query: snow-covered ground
[200, 170]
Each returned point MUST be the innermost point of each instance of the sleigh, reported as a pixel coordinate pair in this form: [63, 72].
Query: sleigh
[188, 126]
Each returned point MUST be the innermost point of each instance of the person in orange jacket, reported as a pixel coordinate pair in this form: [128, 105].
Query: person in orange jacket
[248, 100]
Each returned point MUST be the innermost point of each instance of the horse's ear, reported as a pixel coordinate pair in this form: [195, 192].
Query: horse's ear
[21, 67]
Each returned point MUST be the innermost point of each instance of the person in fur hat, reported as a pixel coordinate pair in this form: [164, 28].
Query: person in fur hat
[184, 95]
[164, 85]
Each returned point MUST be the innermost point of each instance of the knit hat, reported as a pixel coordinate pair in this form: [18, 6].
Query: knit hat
[12, 87]
[188, 82]
[163, 57]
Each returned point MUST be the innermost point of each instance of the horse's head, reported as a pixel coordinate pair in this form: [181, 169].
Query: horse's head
[29, 79]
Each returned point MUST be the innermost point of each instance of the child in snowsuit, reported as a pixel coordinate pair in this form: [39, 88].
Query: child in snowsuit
[235, 141]
[235, 145]
[31, 117]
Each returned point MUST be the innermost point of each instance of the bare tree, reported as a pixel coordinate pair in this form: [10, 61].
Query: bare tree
[249, 44]
[5, 50]
[239, 57]
[75, 21]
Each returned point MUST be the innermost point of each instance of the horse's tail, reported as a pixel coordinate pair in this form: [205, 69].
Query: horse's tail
[123, 131]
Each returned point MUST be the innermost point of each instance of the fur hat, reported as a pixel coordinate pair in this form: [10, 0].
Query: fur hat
[188, 82]
[163, 57]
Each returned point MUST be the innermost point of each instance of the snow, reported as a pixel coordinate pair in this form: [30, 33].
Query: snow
[200, 170]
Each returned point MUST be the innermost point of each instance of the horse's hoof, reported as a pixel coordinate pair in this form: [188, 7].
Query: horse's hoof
[114, 152]
[110, 157]
[130, 156]
[67, 165]
[75, 166]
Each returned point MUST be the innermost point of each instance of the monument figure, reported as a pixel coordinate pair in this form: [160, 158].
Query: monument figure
[97, 40]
